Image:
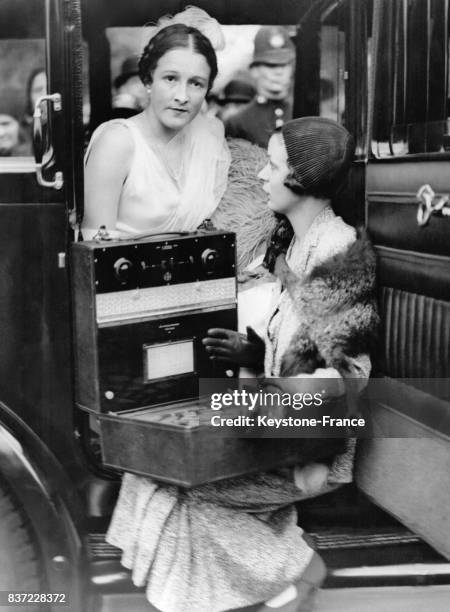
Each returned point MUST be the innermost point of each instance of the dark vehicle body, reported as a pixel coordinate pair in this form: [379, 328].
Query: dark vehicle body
[388, 61]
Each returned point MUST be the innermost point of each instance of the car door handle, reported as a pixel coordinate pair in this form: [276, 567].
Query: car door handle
[42, 156]
[430, 203]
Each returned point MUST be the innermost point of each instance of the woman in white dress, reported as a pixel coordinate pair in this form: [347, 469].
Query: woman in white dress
[164, 169]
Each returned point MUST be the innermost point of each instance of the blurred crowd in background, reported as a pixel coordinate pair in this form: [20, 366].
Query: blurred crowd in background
[252, 94]
[16, 121]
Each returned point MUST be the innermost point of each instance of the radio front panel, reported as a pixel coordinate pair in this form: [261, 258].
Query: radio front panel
[158, 361]
[133, 304]
[178, 260]
[142, 308]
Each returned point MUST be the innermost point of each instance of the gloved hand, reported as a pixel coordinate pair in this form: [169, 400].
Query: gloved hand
[228, 345]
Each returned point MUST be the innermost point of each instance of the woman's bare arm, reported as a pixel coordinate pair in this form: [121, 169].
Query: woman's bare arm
[107, 167]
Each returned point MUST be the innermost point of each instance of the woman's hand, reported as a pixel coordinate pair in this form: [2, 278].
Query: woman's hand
[228, 345]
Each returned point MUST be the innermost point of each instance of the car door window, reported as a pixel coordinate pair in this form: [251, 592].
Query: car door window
[111, 57]
[23, 79]
[411, 106]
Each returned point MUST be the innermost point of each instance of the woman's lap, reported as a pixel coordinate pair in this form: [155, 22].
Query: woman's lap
[198, 554]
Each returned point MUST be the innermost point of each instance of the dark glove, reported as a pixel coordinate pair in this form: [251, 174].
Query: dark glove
[228, 345]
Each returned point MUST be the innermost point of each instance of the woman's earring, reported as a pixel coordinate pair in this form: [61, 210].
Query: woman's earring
[149, 90]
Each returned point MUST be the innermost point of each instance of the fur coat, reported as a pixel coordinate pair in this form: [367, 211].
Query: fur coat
[336, 303]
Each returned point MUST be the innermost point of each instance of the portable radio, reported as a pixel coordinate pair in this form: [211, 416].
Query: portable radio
[141, 309]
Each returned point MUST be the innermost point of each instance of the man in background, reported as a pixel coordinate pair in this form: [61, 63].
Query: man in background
[272, 69]
[237, 93]
[130, 95]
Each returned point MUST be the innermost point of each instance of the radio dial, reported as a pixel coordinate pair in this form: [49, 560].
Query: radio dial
[210, 258]
[122, 269]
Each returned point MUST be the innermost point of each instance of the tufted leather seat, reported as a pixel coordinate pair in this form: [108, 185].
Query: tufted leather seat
[404, 467]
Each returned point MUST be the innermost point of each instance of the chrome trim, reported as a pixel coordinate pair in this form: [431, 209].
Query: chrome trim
[17, 165]
[430, 203]
[58, 181]
[385, 251]
[168, 314]
[407, 569]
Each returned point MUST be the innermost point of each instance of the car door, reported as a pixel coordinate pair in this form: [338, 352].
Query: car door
[405, 466]
[40, 179]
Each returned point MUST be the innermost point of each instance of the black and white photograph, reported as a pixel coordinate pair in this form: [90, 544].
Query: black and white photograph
[225, 305]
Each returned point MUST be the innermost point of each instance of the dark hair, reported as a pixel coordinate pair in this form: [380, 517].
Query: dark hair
[171, 37]
[326, 192]
[290, 181]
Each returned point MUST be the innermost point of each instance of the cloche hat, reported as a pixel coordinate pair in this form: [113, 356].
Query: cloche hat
[319, 152]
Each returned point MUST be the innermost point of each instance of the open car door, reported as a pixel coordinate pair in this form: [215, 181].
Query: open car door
[405, 467]
[40, 178]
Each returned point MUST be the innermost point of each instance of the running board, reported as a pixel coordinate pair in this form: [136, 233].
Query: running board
[101, 550]
[363, 539]
[358, 568]
[407, 574]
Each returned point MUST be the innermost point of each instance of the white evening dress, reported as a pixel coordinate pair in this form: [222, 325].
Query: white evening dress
[172, 187]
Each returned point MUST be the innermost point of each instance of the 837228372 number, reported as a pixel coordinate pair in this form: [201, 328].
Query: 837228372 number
[12, 598]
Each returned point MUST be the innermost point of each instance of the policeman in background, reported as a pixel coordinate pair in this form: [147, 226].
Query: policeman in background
[271, 68]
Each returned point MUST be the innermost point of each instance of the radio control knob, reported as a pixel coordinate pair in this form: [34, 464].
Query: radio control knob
[210, 258]
[122, 269]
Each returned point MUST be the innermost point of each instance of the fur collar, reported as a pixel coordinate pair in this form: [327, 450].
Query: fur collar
[337, 302]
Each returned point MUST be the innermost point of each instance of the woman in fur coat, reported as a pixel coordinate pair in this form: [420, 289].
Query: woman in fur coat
[323, 320]
[235, 544]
